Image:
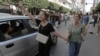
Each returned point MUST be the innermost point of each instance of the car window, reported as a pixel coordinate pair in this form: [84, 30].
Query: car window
[32, 24]
[17, 28]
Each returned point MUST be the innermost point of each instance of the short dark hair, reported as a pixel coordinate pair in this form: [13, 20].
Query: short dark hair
[4, 27]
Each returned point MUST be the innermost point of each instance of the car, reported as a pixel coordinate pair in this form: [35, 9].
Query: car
[23, 37]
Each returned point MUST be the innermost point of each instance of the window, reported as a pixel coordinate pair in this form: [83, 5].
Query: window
[33, 24]
[18, 28]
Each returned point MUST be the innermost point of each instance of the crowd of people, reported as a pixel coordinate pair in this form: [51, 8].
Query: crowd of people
[74, 35]
[92, 19]
[76, 31]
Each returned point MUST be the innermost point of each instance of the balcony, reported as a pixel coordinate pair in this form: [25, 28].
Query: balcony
[63, 3]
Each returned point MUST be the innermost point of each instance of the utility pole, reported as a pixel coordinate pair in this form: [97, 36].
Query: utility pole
[94, 4]
[83, 6]
[73, 4]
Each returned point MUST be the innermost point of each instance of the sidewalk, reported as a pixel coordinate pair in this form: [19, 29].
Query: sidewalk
[91, 45]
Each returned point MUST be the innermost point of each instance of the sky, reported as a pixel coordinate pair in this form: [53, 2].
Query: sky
[89, 5]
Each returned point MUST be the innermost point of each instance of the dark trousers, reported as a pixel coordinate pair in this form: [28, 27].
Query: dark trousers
[74, 48]
[95, 21]
[59, 22]
[44, 49]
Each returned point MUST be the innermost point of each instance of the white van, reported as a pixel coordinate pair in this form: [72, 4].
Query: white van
[23, 41]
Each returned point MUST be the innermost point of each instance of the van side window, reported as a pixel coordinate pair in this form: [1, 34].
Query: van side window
[33, 24]
[6, 29]
[13, 28]
[18, 28]
[2, 38]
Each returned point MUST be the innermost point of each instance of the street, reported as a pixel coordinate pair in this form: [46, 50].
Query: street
[90, 46]
[25, 28]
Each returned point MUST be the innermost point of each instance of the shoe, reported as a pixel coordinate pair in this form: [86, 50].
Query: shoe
[91, 32]
[97, 34]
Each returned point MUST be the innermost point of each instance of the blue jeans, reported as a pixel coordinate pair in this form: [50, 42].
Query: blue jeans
[74, 48]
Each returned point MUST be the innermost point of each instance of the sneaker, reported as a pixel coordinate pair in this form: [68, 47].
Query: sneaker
[91, 32]
[97, 34]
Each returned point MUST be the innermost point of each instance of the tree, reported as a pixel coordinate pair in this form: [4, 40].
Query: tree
[28, 3]
[65, 9]
[56, 7]
[36, 3]
[1, 1]
[8, 2]
[97, 8]
[15, 2]
[53, 6]
[60, 9]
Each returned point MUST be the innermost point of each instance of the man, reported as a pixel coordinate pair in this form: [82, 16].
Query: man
[98, 26]
[85, 19]
[95, 17]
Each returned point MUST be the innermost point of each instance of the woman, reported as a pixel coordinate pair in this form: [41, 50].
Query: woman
[74, 36]
[98, 27]
[45, 28]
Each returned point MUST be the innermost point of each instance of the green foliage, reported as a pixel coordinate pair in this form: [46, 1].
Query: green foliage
[36, 3]
[1, 1]
[97, 8]
[15, 2]
[63, 9]
[56, 7]
[60, 9]
[50, 6]
[28, 3]
[41, 4]
[53, 6]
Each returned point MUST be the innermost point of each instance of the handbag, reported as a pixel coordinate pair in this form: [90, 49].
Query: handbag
[42, 38]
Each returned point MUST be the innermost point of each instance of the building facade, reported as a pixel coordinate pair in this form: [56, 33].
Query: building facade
[78, 5]
[95, 2]
[75, 5]
[64, 3]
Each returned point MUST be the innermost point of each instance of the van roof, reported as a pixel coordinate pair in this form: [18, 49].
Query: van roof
[5, 17]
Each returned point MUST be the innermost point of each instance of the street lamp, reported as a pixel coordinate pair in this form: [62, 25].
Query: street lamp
[88, 3]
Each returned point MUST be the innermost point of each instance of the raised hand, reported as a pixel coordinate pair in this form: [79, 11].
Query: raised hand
[20, 4]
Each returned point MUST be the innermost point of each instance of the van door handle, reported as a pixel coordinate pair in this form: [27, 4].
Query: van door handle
[9, 45]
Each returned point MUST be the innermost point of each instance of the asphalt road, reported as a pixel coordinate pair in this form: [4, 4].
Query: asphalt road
[90, 47]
